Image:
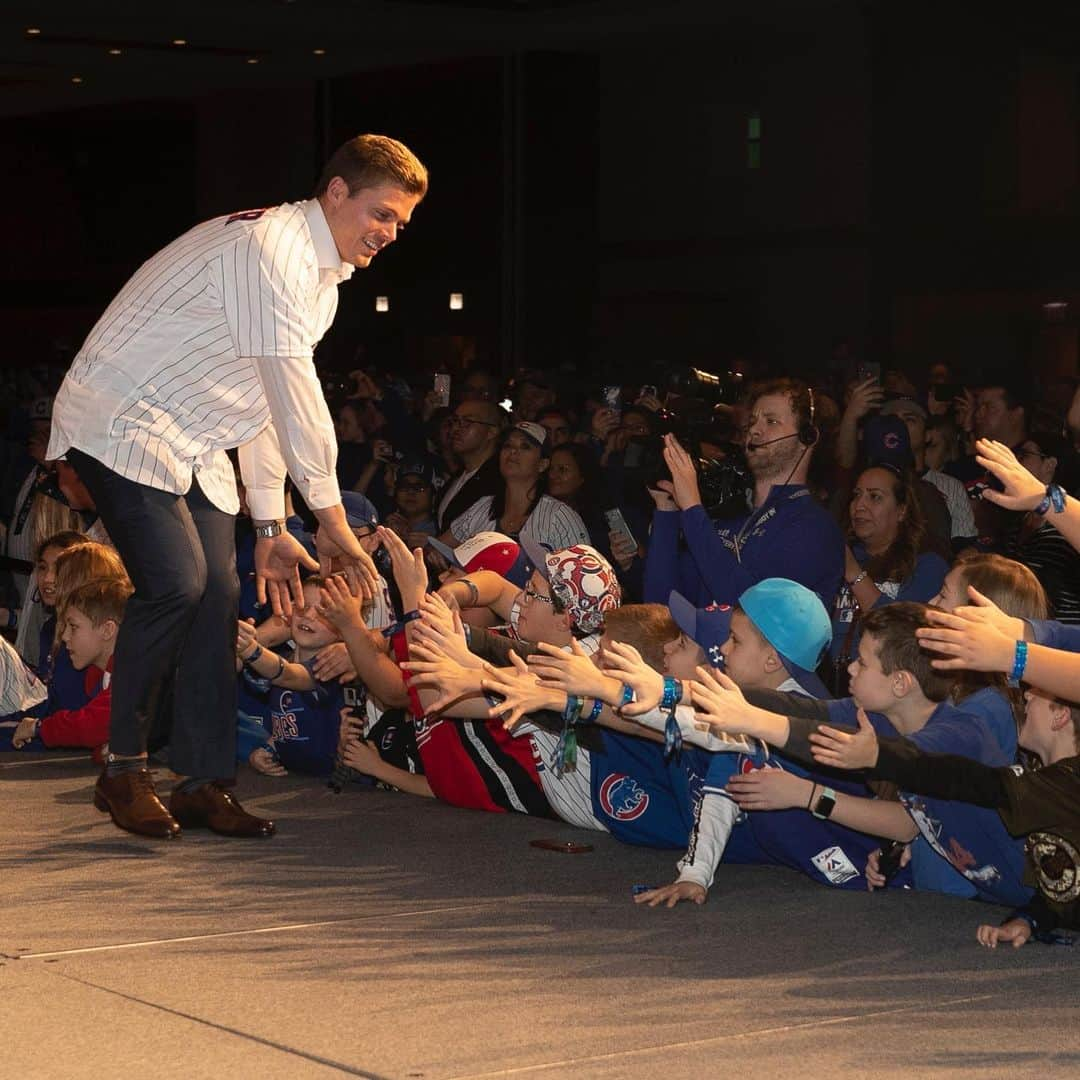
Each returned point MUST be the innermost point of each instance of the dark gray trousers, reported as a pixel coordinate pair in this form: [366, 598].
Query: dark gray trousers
[176, 648]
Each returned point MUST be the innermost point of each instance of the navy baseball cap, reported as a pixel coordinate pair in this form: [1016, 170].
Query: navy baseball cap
[886, 442]
[360, 511]
[709, 627]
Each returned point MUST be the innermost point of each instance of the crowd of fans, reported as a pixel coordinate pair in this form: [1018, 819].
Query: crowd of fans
[832, 627]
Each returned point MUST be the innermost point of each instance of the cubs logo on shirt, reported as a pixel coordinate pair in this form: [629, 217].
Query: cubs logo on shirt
[622, 798]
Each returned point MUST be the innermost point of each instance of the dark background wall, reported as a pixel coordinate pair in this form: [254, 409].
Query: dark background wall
[915, 194]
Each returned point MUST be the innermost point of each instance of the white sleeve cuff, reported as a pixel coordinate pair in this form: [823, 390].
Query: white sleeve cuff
[266, 504]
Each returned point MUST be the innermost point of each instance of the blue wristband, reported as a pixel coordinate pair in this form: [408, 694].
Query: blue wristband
[672, 693]
[254, 656]
[627, 696]
[1055, 497]
[574, 705]
[1019, 663]
[598, 705]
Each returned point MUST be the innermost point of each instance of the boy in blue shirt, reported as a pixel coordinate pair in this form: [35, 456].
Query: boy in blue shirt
[303, 717]
[830, 833]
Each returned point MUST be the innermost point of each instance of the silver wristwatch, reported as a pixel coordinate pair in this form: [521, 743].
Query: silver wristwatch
[268, 532]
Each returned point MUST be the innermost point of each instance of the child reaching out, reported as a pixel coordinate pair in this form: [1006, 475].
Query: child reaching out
[1043, 804]
[303, 715]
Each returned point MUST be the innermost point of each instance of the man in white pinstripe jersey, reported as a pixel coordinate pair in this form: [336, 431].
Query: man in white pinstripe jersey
[210, 346]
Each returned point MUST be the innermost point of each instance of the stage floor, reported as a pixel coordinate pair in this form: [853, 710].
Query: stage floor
[381, 935]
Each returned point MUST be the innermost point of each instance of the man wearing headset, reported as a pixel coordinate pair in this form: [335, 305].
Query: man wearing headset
[785, 533]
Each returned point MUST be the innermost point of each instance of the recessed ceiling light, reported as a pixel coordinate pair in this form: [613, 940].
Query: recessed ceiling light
[253, 60]
[318, 52]
[179, 41]
[115, 52]
[76, 79]
[33, 31]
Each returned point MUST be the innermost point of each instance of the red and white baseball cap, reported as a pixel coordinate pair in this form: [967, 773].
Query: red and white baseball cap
[484, 551]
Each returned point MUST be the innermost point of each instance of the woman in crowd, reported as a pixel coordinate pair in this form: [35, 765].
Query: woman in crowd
[575, 477]
[522, 506]
[886, 558]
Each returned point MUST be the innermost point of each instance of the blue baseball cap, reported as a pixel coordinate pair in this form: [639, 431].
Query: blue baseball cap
[359, 510]
[709, 627]
[790, 617]
[793, 620]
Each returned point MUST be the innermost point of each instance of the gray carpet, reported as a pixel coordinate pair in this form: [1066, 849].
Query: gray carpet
[380, 935]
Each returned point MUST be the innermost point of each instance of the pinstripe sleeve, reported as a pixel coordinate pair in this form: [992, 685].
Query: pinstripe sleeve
[304, 428]
[269, 282]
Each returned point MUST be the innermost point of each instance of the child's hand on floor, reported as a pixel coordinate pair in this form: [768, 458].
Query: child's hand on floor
[24, 732]
[1015, 932]
[670, 895]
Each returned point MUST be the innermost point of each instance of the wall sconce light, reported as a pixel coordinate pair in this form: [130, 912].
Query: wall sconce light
[457, 301]
[382, 303]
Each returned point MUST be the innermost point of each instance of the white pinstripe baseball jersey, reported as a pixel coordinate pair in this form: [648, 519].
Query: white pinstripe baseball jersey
[551, 523]
[211, 338]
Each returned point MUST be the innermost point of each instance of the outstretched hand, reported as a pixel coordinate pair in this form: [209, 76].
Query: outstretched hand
[965, 644]
[624, 662]
[521, 691]
[842, 749]
[572, 672]
[719, 705]
[983, 610]
[410, 573]
[277, 572]
[1023, 491]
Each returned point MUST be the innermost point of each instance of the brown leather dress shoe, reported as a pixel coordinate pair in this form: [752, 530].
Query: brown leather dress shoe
[215, 807]
[129, 798]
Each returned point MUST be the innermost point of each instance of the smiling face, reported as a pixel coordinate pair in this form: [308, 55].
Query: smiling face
[875, 513]
[364, 223]
[308, 628]
[46, 575]
[86, 643]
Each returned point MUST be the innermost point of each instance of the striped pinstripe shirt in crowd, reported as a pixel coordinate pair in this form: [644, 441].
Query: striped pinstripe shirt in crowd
[209, 346]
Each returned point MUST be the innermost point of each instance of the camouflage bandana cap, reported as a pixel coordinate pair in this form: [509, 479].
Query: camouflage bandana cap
[584, 584]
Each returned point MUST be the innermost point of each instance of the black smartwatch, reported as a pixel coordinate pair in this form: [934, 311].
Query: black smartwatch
[826, 803]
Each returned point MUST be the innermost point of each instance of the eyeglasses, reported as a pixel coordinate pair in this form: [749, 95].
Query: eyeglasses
[460, 421]
[531, 594]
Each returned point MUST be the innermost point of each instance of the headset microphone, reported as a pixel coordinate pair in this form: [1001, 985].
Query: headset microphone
[769, 442]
